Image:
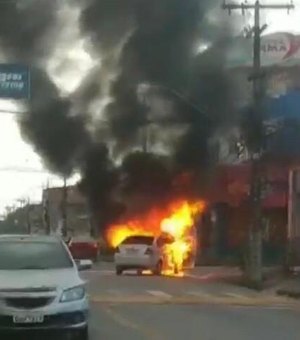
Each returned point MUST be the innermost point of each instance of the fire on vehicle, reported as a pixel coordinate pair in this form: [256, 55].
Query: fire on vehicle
[174, 229]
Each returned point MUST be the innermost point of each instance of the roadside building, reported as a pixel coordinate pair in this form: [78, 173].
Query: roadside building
[227, 224]
[78, 222]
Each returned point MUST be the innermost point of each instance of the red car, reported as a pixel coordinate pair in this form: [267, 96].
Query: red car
[84, 248]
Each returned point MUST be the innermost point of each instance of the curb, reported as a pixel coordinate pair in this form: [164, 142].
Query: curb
[226, 301]
[295, 294]
[211, 277]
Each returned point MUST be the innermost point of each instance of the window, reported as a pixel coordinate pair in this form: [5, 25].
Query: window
[147, 240]
[15, 255]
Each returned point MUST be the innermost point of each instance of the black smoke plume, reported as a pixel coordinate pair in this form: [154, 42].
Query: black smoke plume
[27, 35]
[134, 42]
[146, 174]
[51, 124]
[27, 29]
[159, 41]
[156, 43]
[99, 180]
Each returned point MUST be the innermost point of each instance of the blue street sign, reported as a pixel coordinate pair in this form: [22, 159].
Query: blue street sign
[14, 81]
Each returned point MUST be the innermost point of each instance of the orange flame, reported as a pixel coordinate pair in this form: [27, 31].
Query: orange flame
[177, 220]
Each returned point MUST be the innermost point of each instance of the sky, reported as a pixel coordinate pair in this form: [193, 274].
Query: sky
[279, 20]
[22, 175]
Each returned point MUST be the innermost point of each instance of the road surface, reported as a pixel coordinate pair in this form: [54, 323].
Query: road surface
[198, 307]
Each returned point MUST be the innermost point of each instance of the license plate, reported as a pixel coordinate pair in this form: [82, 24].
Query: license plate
[131, 251]
[25, 319]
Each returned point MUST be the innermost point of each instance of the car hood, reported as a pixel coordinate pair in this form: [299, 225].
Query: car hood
[38, 279]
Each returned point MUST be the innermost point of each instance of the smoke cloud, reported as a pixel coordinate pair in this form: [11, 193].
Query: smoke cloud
[159, 42]
[133, 42]
[51, 124]
[156, 44]
[27, 28]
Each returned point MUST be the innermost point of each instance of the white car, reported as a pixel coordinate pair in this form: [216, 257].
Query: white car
[140, 253]
[40, 287]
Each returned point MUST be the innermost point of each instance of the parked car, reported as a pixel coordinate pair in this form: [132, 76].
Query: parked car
[40, 287]
[84, 247]
[139, 253]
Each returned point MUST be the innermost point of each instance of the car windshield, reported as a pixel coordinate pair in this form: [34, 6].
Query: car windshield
[147, 240]
[18, 255]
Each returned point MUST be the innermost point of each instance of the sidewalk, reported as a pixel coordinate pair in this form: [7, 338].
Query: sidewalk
[234, 275]
[214, 273]
[227, 284]
[275, 283]
[290, 287]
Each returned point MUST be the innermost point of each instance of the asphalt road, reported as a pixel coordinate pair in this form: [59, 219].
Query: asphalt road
[196, 307]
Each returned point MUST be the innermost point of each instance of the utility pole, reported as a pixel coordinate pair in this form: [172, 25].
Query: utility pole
[64, 205]
[254, 265]
[46, 213]
[28, 217]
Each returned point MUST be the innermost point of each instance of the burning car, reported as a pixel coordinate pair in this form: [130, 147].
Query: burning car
[161, 255]
[140, 253]
[162, 241]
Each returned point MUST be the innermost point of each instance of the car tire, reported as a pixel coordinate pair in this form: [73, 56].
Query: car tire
[119, 271]
[158, 269]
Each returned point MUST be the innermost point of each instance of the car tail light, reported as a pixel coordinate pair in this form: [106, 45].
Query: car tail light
[149, 251]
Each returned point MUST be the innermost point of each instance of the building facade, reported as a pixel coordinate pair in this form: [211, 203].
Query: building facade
[76, 212]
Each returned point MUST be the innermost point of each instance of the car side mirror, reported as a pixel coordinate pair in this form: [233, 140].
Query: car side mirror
[84, 264]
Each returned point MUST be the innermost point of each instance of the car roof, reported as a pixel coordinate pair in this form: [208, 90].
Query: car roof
[140, 236]
[84, 238]
[33, 238]
[138, 239]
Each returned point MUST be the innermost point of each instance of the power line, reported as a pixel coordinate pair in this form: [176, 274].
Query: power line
[244, 6]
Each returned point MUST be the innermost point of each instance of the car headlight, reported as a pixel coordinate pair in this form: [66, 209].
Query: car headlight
[73, 294]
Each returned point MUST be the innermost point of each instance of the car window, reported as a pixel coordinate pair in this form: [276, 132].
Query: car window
[16, 255]
[147, 240]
